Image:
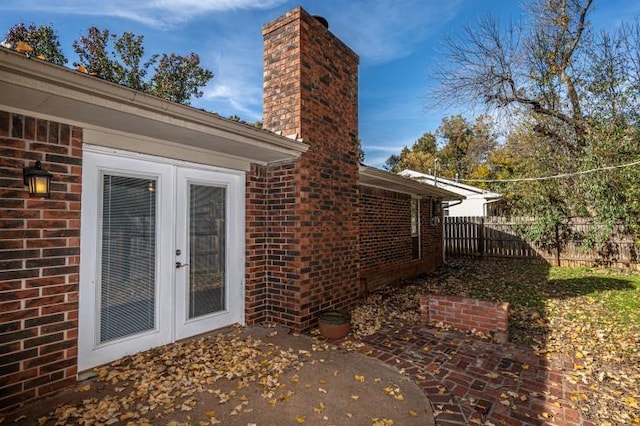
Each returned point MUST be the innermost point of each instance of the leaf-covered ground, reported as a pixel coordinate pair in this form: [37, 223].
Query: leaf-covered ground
[592, 315]
[238, 376]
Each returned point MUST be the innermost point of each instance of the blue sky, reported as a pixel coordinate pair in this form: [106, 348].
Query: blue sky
[398, 42]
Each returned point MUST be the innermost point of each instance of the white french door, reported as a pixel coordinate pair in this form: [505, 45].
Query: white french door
[207, 239]
[161, 253]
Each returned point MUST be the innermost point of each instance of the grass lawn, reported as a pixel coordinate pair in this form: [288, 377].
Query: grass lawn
[592, 314]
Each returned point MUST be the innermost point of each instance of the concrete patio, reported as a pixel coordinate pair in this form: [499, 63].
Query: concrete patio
[294, 379]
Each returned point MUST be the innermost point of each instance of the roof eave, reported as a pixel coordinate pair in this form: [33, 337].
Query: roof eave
[371, 176]
[39, 87]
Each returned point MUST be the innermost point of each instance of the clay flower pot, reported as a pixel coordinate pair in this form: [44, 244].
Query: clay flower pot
[334, 324]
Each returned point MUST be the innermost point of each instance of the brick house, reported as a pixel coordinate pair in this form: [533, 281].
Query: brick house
[165, 221]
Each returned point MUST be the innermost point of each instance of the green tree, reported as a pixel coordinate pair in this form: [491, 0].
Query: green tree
[426, 143]
[120, 59]
[466, 148]
[573, 98]
[361, 153]
[391, 163]
[457, 135]
[459, 149]
[178, 78]
[43, 39]
[93, 54]
[130, 71]
[419, 157]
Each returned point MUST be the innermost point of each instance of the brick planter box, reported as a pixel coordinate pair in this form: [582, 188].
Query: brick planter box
[466, 314]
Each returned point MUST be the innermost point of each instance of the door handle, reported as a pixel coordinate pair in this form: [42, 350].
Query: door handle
[181, 265]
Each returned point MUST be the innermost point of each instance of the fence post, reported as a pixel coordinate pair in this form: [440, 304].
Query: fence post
[481, 237]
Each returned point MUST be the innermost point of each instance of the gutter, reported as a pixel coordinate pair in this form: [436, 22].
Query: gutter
[57, 81]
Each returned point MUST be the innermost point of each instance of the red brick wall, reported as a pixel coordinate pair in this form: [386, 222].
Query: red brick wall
[466, 314]
[256, 246]
[39, 258]
[385, 238]
[273, 247]
[431, 235]
[311, 91]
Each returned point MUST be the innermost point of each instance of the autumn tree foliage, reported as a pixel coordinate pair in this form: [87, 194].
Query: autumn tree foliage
[458, 149]
[120, 59]
[570, 97]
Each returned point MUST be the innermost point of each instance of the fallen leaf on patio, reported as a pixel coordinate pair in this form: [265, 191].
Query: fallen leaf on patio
[322, 390]
[399, 397]
[359, 378]
[631, 402]
[355, 397]
[413, 413]
[128, 415]
[300, 418]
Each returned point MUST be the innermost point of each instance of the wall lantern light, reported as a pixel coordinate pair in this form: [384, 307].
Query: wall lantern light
[38, 180]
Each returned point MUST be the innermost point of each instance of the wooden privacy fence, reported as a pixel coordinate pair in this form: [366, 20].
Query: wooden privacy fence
[497, 237]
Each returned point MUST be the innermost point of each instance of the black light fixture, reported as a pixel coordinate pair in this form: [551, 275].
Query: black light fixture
[38, 180]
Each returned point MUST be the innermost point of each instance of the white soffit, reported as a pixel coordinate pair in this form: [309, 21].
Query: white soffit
[58, 93]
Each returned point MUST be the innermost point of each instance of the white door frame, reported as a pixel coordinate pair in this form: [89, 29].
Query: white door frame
[96, 160]
[234, 233]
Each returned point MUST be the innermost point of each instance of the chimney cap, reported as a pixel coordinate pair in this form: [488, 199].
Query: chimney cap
[322, 20]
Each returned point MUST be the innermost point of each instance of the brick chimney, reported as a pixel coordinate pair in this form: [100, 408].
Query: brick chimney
[311, 93]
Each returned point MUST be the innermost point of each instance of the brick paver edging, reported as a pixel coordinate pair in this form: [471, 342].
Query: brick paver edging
[472, 381]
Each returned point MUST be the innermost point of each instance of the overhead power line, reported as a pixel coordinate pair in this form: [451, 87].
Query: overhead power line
[558, 176]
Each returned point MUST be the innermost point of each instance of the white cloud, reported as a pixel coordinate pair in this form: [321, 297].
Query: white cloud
[156, 13]
[384, 30]
[236, 88]
[233, 96]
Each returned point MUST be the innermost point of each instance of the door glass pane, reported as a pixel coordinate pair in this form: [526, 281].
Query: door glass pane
[128, 263]
[206, 250]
